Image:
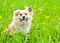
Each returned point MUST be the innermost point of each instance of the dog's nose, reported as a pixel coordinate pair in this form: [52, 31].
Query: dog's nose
[23, 17]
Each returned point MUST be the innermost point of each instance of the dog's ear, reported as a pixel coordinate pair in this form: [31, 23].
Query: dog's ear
[29, 9]
[16, 12]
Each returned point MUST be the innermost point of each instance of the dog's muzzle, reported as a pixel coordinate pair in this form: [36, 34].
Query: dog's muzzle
[24, 21]
[23, 17]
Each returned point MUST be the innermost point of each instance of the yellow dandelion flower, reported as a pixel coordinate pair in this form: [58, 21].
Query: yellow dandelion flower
[6, 30]
[58, 18]
[39, 8]
[0, 17]
[47, 17]
[33, 25]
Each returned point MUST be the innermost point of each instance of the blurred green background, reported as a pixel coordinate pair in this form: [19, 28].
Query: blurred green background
[45, 25]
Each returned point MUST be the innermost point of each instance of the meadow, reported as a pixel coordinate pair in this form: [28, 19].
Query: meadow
[45, 26]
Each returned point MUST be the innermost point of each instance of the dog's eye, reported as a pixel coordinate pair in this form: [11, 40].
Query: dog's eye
[20, 14]
[25, 13]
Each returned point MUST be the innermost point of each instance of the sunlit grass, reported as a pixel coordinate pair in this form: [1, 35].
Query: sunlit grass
[45, 25]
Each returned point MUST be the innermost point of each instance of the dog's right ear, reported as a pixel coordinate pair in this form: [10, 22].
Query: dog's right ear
[29, 9]
[16, 12]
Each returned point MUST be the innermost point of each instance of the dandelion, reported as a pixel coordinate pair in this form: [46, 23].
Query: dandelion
[58, 18]
[0, 17]
[39, 8]
[33, 25]
[6, 30]
[47, 17]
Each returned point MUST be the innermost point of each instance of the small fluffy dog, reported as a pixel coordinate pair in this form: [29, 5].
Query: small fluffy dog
[21, 21]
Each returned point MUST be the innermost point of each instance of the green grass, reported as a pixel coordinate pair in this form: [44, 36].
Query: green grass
[45, 25]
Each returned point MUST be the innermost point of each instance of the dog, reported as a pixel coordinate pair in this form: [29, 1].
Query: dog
[21, 21]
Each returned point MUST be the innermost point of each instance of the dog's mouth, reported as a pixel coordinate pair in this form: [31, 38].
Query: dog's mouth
[24, 21]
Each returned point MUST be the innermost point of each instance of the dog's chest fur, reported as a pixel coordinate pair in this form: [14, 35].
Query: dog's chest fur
[20, 28]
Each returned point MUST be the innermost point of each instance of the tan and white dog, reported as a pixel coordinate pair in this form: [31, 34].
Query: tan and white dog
[21, 21]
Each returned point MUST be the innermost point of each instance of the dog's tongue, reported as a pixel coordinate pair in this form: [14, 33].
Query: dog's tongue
[23, 22]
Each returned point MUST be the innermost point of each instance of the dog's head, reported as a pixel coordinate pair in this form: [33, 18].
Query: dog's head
[24, 16]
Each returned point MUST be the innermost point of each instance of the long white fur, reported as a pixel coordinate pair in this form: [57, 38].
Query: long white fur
[16, 23]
